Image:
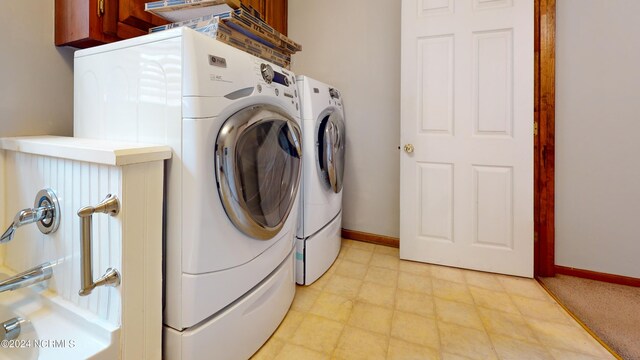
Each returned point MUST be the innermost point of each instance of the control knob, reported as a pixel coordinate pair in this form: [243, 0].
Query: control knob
[267, 73]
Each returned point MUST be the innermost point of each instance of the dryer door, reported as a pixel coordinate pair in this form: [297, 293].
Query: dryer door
[258, 169]
[331, 141]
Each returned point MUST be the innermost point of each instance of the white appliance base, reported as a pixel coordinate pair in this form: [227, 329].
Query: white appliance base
[240, 330]
[315, 254]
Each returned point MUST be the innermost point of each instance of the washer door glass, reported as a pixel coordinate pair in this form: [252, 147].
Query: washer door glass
[331, 142]
[258, 169]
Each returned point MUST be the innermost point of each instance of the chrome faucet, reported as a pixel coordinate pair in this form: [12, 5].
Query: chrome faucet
[46, 213]
[24, 217]
[32, 276]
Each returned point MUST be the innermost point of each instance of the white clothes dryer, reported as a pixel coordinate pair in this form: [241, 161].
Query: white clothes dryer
[318, 237]
[231, 187]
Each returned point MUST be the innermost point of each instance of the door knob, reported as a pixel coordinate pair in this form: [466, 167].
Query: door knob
[408, 148]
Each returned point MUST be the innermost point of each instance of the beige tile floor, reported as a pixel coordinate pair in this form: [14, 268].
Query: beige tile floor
[371, 305]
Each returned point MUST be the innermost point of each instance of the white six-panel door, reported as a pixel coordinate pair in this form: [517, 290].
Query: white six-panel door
[467, 109]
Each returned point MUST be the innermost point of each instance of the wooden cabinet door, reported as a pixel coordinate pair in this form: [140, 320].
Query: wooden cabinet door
[132, 20]
[82, 23]
[274, 12]
[131, 12]
[276, 15]
[259, 5]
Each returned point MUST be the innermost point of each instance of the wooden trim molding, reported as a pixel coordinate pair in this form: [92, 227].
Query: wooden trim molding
[371, 238]
[544, 142]
[594, 275]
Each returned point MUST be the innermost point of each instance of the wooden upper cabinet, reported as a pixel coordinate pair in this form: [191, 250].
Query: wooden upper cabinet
[83, 23]
[86, 23]
[274, 12]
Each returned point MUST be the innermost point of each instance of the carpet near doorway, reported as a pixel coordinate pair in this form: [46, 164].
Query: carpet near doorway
[611, 311]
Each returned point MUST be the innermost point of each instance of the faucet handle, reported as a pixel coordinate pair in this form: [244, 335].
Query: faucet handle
[46, 213]
[29, 216]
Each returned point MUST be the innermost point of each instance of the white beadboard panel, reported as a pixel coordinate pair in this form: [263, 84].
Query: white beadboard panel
[436, 206]
[493, 82]
[493, 206]
[435, 7]
[3, 216]
[142, 263]
[76, 184]
[136, 305]
[102, 231]
[435, 86]
[115, 247]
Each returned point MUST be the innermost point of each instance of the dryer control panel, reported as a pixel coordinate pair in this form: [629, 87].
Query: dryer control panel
[316, 96]
[334, 97]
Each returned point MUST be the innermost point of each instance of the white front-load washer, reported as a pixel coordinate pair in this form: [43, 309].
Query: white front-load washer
[231, 186]
[323, 128]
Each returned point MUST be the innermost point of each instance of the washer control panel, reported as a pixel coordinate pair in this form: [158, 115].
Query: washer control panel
[269, 75]
[278, 82]
[267, 72]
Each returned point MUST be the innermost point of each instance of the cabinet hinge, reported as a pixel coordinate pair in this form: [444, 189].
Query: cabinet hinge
[535, 128]
[100, 8]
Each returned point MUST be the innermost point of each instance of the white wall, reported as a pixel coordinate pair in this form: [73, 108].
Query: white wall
[355, 46]
[36, 78]
[598, 135]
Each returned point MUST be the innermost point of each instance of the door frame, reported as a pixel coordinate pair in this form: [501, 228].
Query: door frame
[544, 137]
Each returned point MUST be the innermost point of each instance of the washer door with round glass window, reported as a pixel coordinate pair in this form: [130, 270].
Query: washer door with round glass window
[258, 169]
[330, 149]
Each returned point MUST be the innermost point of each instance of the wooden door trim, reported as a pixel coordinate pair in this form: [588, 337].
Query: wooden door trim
[599, 276]
[544, 142]
[371, 238]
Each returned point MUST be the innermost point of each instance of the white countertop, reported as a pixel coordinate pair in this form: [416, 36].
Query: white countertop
[90, 150]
